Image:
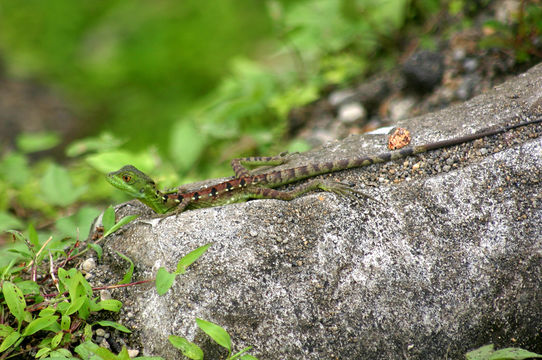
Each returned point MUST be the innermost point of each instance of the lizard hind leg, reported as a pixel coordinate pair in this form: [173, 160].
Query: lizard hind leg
[325, 185]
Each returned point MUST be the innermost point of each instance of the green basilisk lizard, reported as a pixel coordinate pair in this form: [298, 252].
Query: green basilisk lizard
[246, 186]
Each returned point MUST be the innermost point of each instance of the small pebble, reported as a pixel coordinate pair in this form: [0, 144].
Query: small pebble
[132, 353]
[459, 54]
[338, 97]
[470, 64]
[351, 112]
[253, 233]
[100, 332]
[88, 264]
[105, 295]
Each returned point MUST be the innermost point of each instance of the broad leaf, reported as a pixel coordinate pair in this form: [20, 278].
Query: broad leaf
[217, 333]
[164, 281]
[189, 258]
[128, 276]
[75, 305]
[110, 305]
[39, 324]
[188, 349]
[108, 218]
[98, 249]
[513, 354]
[125, 220]
[113, 325]
[15, 300]
[9, 340]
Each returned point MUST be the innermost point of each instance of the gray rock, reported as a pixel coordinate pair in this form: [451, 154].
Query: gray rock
[442, 263]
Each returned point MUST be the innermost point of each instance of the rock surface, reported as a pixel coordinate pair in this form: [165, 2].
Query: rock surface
[448, 259]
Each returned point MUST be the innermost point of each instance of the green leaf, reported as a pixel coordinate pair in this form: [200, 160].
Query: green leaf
[14, 169]
[15, 300]
[164, 281]
[66, 278]
[125, 220]
[42, 352]
[61, 354]
[57, 339]
[481, 353]
[77, 225]
[108, 219]
[79, 286]
[5, 330]
[8, 221]
[110, 305]
[32, 142]
[103, 353]
[128, 276]
[75, 305]
[238, 355]
[7, 269]
[39, 324]
[104, 161]
[57, 187]
[190, 350]
[248, 357]
[9, 340]
[103, 142]
[29, 287]
[18, 235]
[87, 332]
[23, 253]
[217, 333]
[98, 249]
[113, 325]
[189, 258]
[47, 312]
[123, 355]
[65, 322]
[85, 349]
[513, 354]
[33, 236]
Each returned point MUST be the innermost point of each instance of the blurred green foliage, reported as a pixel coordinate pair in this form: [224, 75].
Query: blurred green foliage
[176, 75]
[133, 65]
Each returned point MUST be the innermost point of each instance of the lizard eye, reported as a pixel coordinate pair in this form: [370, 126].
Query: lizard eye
[126, 178]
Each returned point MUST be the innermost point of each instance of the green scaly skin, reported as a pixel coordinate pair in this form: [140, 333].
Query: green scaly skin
[246, 186]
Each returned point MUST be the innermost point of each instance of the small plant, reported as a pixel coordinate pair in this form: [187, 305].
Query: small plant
[164, 279]
[489, 353]
[45, 307]
[521, 37]
[218, 334]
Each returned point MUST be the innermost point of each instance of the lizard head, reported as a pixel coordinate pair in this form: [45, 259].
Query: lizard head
[138, 185]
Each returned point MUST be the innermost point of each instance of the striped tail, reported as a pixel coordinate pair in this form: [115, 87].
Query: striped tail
[287, 176]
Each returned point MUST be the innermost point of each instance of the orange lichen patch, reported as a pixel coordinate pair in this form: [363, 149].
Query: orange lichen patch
[399, 139]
